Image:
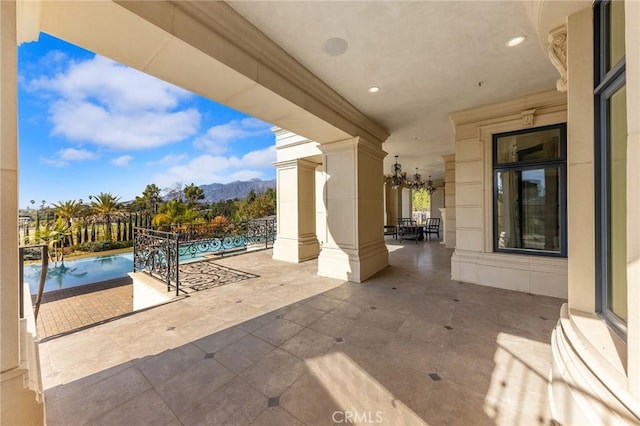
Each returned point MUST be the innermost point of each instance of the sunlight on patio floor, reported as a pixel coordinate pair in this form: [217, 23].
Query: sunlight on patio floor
[409, 346]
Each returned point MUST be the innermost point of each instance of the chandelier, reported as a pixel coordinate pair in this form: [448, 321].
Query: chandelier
[417, 183]
[397, 177]
[429, 187]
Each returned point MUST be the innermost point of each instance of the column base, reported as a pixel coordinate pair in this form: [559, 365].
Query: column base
[583, 390]
[353, 264]
[296, 250]
[19, 403]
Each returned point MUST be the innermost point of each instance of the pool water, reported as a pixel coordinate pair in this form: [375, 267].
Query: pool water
[73, 273]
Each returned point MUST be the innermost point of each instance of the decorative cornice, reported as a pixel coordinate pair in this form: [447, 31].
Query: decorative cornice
[539, 101]
[232, 28]
[557, 51]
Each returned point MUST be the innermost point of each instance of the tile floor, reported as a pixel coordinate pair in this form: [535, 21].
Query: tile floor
[68, 309]
[408, 347]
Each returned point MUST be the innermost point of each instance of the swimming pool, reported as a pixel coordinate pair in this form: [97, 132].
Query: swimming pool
[73, 273]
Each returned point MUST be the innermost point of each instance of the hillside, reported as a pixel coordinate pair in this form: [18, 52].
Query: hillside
[217, 191]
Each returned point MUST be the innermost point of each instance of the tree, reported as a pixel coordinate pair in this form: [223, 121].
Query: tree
[256, 206]
[421, 201]
[226, 208]
[67, 211]
[149, 200]
[174, 212]
[106, 206]
[271, 194]
[53, 233]
[192, 194]
[251, 196]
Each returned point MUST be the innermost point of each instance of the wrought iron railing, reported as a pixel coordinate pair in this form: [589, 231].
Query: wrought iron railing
[159, 252]
[156, 253]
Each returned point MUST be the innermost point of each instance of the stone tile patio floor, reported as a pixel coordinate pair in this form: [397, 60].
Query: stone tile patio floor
[407, 347]
[64, 310]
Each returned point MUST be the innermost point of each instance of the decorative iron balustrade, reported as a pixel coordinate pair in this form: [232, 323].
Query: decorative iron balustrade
[179, 243]
[156, 253]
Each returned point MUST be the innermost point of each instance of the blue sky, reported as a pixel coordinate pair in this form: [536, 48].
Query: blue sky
[87, 125]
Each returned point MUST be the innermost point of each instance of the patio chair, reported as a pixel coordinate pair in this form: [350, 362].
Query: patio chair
[432, 227]
[391, 230]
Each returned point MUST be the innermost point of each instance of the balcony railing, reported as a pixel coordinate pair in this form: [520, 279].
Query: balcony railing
[160, 252]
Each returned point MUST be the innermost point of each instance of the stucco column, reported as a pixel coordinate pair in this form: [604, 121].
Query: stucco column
[297, 239]
[354, 247]
[9, 311]
[18, 404]
[450, 199]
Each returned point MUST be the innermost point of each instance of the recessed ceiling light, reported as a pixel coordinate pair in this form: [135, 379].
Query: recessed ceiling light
[374, 89]
[335, 46]
[516, 41]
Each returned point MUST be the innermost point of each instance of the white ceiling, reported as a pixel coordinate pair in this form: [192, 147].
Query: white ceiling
[427, 57]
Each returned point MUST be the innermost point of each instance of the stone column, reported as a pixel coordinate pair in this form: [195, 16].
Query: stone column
[19, 404]
[407, 202]
[443, 217]
[354, 247]
[450, 199]
[393, 204]
[297, 239]
[9, 312]
[321, 213]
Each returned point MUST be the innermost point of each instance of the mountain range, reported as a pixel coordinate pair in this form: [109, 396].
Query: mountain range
[214, 192]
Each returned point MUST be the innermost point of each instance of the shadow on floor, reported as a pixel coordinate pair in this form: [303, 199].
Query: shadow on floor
[408, 347]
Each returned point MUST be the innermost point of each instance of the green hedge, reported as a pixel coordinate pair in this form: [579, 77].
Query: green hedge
[103, 245]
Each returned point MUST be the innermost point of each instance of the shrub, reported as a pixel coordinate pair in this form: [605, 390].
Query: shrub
[104, 245]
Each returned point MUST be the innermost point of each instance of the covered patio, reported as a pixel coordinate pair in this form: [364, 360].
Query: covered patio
[410, 346]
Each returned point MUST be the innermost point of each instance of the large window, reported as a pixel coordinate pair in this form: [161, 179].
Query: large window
[529, 201]
[611, 166]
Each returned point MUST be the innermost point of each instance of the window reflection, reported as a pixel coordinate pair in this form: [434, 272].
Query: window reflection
[529, 209]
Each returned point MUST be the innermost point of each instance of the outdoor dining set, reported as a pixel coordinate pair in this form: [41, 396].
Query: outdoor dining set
[410, 229]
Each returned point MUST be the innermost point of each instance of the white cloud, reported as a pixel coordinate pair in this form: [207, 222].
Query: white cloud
[107, 104]
[217, 138]
[121, 161]
[73, 154]
[87, 122]
[55, 162]
[219, 169]
[63, 157]
[261, 158]
[169, 160]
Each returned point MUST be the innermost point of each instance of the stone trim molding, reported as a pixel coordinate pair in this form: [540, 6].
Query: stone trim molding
[557, 50]
[543, 102]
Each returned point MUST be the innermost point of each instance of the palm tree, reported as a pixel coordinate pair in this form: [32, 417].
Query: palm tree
[67, 211]
[106, 206]
[149, 200]
[53, 233]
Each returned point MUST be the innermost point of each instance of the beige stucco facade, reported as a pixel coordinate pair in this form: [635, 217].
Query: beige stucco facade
[474, 259]
[596, 371]
[331, 197]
